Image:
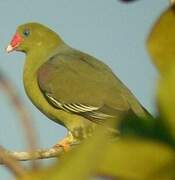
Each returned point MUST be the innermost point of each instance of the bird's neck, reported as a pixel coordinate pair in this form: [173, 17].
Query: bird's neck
[35, 59]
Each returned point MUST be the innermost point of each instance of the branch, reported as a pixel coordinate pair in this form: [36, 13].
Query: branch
[39, 154]
[172, 1]
[11, 163]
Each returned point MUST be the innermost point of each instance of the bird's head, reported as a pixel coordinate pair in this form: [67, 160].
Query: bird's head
[33, 36]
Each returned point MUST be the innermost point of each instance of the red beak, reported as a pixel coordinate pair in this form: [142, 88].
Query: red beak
[15, 42]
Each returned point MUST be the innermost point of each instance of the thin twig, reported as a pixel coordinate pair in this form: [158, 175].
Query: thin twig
[23, 114]
[11, 163]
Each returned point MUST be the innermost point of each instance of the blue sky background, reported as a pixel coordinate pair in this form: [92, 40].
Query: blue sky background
[111, 31]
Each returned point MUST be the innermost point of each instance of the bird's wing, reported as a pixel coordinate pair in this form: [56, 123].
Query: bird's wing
[90, 112]
[80, 84]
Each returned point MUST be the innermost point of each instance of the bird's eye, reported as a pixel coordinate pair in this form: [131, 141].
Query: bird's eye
[26, 32]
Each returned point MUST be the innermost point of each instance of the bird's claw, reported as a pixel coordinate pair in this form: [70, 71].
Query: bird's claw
[65, 144]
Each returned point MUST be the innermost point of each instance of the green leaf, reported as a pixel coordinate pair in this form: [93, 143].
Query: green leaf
[150, 128]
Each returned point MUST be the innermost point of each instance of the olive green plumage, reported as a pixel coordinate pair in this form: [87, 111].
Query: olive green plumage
[71, 87]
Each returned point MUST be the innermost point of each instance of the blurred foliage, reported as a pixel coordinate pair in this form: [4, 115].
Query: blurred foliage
[166, 99]
[137, 155]
[161, 41]
[146, 147]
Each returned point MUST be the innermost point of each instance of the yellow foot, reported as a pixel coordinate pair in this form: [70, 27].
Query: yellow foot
[64, 143]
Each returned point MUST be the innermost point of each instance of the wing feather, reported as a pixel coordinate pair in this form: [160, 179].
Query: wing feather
[89, 111]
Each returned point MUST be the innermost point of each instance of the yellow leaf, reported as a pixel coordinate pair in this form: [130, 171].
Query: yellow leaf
[166, 99]
[161, 41]
[161, 45]
[138, 159]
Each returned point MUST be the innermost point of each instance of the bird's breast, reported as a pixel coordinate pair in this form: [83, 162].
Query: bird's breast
[70, 121]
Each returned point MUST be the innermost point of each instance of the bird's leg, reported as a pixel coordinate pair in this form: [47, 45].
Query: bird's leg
[66, 142]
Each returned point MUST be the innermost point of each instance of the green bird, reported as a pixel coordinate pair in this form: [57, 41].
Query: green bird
[70, 87]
